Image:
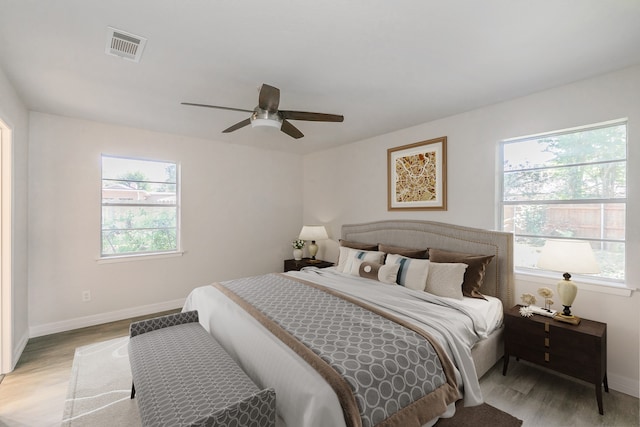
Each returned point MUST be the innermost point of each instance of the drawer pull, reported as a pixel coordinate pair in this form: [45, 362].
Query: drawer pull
[546, 326]
[546, 342]
[546, 356]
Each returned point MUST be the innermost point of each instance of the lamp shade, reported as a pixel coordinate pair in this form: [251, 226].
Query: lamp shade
[570, 256]
[313, 232]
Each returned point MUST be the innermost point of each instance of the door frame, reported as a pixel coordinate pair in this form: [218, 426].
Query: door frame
[6, 282]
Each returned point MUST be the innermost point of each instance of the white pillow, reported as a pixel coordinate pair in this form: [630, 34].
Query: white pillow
[445, 279]
[412, 272]
[353, 254]
[385, 273]
[342, 258]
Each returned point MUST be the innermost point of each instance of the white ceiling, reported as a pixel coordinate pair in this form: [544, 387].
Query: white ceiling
[385, 65]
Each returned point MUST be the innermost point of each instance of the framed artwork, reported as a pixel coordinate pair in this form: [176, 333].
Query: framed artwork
[417, 176]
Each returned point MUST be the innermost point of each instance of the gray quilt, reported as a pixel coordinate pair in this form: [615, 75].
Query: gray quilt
[384, 372]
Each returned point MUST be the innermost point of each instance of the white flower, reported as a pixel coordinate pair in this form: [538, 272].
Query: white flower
[528, 299]
[297, 244]
[526, 311]
[545, 293]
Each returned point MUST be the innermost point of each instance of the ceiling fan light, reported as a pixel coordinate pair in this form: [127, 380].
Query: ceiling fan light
[255, 123]
[264, 118]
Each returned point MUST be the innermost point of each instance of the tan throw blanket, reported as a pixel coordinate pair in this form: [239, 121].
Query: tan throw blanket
[385, 372]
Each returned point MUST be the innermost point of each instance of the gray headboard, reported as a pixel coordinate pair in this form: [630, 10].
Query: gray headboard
[499, 279]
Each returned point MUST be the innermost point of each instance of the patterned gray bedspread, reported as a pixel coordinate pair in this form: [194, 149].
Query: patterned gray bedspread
[384, 371]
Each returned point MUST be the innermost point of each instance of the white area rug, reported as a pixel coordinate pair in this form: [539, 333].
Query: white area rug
[100, 387]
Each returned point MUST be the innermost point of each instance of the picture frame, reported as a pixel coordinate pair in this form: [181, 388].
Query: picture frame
[417, 176]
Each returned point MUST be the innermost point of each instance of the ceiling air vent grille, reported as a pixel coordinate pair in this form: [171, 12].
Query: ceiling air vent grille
[125, 45]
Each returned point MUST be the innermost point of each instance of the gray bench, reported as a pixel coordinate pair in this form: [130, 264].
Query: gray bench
[183, 377]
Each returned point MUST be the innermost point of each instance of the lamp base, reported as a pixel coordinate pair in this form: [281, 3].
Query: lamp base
[573, 320]
[313, 250]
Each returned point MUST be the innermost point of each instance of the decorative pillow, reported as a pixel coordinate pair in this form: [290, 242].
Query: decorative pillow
[408, 252]
[445, 279]
[384, 273]
[412, 272]
[348, 255]
[345, 245]
[356, 245]
[474, 276]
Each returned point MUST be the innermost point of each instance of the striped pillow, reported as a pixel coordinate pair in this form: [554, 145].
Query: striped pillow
[412, 273]
[346, 262]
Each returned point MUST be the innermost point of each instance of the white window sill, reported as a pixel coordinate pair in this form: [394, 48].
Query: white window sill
[549, 279]
[138, 257]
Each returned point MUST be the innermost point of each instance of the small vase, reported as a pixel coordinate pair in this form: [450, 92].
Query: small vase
[297, 254]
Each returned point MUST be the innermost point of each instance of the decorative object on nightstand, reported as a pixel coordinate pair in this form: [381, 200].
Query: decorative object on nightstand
[568, 255]
[297, 244]
[526, 311]
[313, 233]
[529, 301]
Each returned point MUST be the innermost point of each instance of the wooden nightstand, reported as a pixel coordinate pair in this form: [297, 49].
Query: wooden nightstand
[579, 351]
[292, 264]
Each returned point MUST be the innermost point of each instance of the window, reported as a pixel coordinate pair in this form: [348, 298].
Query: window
[140, 209]
[569, 184]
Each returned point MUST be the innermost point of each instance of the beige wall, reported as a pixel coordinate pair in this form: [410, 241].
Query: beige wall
[14, 114]
[349, 185]
[240, 209]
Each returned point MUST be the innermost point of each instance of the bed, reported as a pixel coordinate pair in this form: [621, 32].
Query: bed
[304, 395]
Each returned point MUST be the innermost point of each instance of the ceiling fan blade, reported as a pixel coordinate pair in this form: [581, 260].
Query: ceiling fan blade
[312, 117]
[269, 98]
[216, 106]
[291, 130]
[237, 126]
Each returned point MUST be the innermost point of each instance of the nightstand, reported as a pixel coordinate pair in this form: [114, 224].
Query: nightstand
[579, 351]
[292, 264]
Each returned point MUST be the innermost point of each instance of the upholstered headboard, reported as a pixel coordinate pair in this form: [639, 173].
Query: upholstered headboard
[499, 279]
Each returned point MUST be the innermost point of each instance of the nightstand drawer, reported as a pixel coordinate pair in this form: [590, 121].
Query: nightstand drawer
[560, 360]
[530, 353]
[523, 330]
[574, 343]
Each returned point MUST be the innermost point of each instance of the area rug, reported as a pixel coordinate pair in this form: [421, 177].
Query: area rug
[100, 390]
[100, 387]
[482, 415]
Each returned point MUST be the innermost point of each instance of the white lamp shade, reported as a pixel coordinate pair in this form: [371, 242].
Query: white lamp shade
[313, 232]
[568, 256]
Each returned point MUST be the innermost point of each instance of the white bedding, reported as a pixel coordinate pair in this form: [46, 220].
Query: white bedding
[303, 397]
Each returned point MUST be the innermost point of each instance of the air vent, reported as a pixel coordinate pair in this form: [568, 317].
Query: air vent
[125, 45]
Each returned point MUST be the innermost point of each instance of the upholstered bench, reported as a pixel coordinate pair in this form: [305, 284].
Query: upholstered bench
[183, 377]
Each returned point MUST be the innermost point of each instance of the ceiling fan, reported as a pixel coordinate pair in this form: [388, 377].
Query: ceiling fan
[267, 114]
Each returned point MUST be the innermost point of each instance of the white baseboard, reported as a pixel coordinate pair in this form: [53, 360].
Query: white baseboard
[624, 385]
[97, 319]
[17, 352]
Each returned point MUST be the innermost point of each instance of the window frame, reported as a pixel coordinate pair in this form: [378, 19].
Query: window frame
[130, 256]
[591, 280]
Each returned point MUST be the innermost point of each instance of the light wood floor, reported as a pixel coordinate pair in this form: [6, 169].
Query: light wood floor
[33, 394]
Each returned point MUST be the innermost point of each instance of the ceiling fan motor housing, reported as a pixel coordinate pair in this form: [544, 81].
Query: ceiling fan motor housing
[262, 117]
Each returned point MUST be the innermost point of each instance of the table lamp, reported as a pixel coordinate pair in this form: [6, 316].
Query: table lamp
[313, 233]
[573, 256]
